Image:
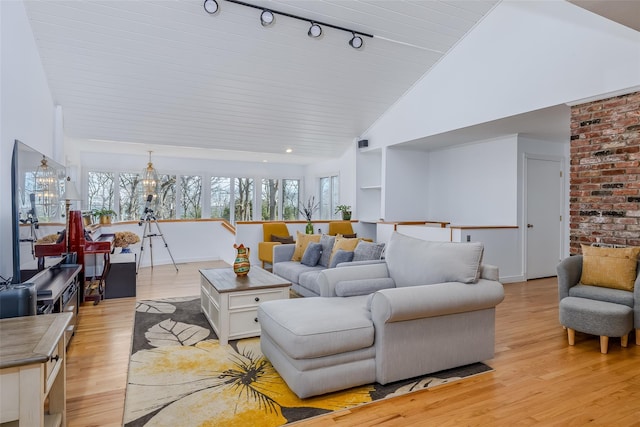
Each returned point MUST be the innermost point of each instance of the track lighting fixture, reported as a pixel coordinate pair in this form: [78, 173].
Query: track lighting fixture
[268, 17]
[356, 41]
[211, 6]
[315, 30]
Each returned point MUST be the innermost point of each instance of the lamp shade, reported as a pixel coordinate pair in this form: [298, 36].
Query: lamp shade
[70, 191]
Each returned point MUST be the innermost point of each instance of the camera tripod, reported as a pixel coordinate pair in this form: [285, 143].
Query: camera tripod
[33, 236]
[148, 219]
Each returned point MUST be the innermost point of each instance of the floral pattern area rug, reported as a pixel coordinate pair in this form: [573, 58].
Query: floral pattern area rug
[179, 375]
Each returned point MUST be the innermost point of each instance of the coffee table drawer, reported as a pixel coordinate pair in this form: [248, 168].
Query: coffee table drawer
[243, 323]
[252, 299]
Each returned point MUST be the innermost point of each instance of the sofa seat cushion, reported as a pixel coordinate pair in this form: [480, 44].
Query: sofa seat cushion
[291, 270]
[309, 280]
[305, 328]
[615, 296]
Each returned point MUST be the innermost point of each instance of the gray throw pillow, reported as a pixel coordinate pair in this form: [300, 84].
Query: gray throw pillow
[351, 288]
[327, 246]
[312, 254]
[366, 251]
[341, 256]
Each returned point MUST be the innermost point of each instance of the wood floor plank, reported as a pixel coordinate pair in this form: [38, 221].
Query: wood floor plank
[538, 379]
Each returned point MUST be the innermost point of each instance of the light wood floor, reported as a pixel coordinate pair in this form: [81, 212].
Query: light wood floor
[538, 378]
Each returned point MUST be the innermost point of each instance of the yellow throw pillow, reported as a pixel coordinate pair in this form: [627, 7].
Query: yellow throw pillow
[302, 241]
[609, 267]
[345, 244]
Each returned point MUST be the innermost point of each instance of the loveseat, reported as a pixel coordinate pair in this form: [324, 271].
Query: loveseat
[429, 306]
[334, 252]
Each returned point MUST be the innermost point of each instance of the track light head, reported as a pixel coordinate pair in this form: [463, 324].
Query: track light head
[211, 6]
[315, 30]
[267, 17]
[356, 41]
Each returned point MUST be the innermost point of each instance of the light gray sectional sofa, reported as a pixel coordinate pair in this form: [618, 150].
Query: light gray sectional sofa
[304, 278]
[430, 306]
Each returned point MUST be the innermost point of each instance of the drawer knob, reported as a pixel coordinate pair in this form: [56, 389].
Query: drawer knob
[257, 299]
[255, 320]
[55, 358]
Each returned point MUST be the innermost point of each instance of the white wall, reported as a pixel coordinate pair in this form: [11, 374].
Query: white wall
[475, 184]
[406, 195]
[524, 56]
[26, 109]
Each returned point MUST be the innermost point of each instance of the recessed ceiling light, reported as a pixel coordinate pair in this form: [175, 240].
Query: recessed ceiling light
[267, 18]
[289, 150]
[211, 6]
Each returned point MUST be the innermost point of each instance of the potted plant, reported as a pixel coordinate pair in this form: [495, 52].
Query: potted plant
[87, 218]
[104, 214]
[346, 211]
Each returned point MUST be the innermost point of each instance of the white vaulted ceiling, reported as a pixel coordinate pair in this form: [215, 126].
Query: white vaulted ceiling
[167, 73]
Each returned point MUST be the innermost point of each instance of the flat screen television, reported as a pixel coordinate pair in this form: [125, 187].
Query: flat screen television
[37, 186]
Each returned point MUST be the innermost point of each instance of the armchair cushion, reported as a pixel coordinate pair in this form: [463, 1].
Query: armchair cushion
[609, 267]
[340, 227]
[311, 254]
[350, 288]
[413, 262]
[302, 241]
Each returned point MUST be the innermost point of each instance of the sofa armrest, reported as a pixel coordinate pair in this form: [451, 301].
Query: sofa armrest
[328, 278]
[365, 262]
[489, 272]
[283, 252]
[416, 302]
[569, 273]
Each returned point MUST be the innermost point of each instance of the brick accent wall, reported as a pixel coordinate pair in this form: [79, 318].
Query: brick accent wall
[604, 200]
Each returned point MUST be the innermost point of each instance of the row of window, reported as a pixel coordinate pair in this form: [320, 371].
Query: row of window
[191, 196]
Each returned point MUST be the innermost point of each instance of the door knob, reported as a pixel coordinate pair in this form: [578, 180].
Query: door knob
[529, 225]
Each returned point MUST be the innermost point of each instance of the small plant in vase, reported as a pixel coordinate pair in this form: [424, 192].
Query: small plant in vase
[125, 238]
[346, 211]
[307, 211]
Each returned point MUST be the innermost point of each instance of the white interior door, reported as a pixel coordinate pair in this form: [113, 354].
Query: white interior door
[543, 217]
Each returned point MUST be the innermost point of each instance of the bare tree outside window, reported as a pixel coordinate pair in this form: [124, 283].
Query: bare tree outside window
[221, 197]
[244, 199]
[131, 205]
[100, 190]
[166, 200]
[290, 199]
[191, 187]
[325, 198]
[269, 199]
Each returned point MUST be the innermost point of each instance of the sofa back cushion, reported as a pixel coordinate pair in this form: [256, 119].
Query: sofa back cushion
[413, 262]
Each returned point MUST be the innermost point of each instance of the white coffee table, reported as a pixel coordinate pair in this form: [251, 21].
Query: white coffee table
[230, 303]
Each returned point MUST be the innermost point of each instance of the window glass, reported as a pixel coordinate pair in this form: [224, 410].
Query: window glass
[220, 197]
[269, 199]
[243, 199]
[130, 197]
[290, 199]
[191, 195]
[100, 190]
[166, 201]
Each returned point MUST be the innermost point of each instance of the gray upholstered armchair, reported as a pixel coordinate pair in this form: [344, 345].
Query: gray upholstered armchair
[569, 275]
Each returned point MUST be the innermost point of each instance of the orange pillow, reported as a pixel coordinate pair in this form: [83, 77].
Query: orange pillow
[302, 241]
[345, 244]
[609, 267]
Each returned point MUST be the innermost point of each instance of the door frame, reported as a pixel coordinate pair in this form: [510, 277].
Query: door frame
[525, 198]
